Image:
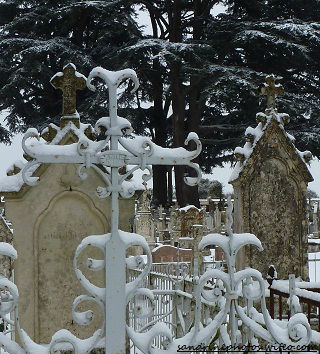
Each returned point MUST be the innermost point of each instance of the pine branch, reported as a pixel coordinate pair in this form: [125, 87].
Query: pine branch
[209, 129]
[220, 142]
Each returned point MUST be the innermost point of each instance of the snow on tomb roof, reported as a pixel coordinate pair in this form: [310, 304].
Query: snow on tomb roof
[53, 135]
[170, 246]
[266, 121]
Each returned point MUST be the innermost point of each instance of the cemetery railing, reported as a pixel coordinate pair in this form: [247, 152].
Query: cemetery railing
[162, 267]
[308, 294]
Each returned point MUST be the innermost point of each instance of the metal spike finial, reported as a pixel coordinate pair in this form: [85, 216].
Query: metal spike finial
[229, 217]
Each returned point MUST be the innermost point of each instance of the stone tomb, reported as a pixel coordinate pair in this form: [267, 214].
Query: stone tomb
[270, 183]
[49, 221]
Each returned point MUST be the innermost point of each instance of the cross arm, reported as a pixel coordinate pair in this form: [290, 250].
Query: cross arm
[88, 153]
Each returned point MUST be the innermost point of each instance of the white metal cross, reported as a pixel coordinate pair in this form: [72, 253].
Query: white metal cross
[108, 153]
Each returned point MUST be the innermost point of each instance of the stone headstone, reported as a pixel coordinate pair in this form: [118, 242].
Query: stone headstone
[189, 216]
[143, 221]
[270, 181]
[217, 220]
[197, 234]
[315, 219]
[209, 222]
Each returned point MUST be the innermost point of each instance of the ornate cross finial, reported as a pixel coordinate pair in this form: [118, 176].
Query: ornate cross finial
[69, 81]
[271, 90]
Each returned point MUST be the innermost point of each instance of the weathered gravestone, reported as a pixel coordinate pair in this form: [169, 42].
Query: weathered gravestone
[270, 181]
[314, 218]
[188, 217]
[49, 222]
[143, 221]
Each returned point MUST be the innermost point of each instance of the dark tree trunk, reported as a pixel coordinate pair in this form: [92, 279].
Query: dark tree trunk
[159, 186]
[160, 137]
[80, 27]
[185, 193]
[178, 98]
[195, 104]
[178, 112]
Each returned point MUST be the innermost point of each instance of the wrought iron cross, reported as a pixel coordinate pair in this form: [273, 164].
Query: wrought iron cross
[271, 90]
[120, 153]
[68, 81]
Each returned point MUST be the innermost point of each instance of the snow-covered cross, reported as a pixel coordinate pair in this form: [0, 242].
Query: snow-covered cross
[68, 81]
[271, 90]
[114, 152]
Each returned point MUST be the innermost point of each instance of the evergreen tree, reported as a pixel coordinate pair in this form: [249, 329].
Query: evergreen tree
[212, 65]
[38, 38]
[209, 188]
[198, 71]
[255, 38]
[178, 50]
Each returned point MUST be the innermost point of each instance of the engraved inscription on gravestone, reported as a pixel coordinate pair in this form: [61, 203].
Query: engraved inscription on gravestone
[61, 230]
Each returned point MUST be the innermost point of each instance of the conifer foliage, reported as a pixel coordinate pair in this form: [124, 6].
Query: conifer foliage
[255, 38]
[39, 37]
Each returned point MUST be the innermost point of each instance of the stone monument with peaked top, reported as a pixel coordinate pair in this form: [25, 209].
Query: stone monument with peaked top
[270, 182]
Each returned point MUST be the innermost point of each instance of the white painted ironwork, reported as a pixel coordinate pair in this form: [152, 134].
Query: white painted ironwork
[117, 294]
[163, 267]
[230, 295]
